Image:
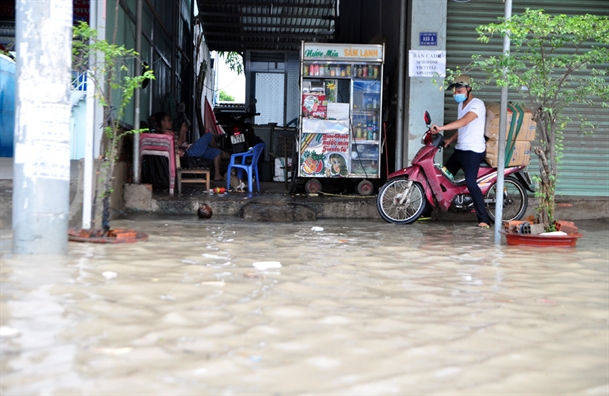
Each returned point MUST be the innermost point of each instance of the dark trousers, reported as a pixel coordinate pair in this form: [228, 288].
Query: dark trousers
[469, 161]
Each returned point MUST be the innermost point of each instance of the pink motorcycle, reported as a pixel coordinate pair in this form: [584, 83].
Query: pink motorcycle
[425, 186]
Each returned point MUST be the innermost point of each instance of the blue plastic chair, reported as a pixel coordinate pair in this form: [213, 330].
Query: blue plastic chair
[248, 162]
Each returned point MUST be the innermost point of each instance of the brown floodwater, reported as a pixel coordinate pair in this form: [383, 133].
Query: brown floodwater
[227, 307]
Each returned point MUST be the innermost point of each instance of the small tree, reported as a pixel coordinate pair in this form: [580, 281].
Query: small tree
[548, 65]
[109, 76]
[224, 97]
[234, 60]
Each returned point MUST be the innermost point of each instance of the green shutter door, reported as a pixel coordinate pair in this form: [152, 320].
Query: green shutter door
[584, 167]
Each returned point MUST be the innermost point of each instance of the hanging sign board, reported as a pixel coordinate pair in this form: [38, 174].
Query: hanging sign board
[339, 52]
[426, 63]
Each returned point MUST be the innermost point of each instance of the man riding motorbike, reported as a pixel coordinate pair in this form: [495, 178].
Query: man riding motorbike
[471, 145]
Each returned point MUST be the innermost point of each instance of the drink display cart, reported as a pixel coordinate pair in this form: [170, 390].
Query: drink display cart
[339, 134]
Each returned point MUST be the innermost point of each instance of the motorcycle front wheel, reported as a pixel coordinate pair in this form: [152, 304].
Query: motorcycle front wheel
[400, 204]
[515, 200]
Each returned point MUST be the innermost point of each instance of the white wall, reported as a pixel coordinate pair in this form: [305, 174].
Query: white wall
[421, 94]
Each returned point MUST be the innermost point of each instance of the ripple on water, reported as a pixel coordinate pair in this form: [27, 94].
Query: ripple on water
[361, 307]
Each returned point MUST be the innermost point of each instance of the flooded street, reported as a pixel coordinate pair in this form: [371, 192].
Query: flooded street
[227, 307]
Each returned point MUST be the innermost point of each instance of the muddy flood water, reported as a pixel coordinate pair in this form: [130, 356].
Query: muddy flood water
[227, 307]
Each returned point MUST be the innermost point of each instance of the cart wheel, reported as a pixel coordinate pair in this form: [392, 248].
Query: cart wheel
[313, 186]
[365, 187]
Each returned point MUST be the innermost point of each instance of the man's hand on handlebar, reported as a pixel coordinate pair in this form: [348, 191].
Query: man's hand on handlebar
[435, 129]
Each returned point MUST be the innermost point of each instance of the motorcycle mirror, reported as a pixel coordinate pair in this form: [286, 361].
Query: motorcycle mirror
[427, 118]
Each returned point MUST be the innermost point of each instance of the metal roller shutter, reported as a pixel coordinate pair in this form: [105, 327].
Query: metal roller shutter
[583, 170]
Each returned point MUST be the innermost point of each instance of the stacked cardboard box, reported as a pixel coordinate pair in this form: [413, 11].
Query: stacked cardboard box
[522, 139]
[520, 156]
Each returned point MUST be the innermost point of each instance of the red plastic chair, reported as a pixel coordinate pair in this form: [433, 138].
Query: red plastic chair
[162, 145]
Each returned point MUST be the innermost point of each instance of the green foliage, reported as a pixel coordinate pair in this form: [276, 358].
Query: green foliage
[550, 69]
[234, 60]
[5, 53]
[224, 97]
[110, 72]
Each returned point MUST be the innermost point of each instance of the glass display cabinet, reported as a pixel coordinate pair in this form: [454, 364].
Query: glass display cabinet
[339, 134]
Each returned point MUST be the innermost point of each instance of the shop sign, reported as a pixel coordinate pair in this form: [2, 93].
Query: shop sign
[370, 52]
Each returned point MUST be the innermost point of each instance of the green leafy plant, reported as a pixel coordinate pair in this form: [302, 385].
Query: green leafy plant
[114, 88]
[550, 65]
[234, 60]
[224, 97]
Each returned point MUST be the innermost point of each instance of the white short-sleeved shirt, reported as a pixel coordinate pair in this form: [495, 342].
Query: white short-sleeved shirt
[471, 136]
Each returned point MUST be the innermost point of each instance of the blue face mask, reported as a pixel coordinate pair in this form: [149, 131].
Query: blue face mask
[460, 98]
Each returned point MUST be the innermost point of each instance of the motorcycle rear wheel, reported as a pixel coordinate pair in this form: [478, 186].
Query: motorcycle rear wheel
[387, 202]
[515, 200]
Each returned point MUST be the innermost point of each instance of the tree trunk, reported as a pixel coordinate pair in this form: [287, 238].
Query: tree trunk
[546, 205]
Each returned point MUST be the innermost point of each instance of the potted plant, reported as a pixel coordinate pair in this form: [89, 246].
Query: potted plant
[114, 88]
[549, 68]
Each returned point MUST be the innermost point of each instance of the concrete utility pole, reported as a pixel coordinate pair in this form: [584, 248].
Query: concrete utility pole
[399, 122]
[137, 94]
[41, 178]
[502, 137]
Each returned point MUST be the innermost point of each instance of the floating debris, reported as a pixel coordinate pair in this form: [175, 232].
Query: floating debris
[262, 265]
[109, 274]
[205, 211]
